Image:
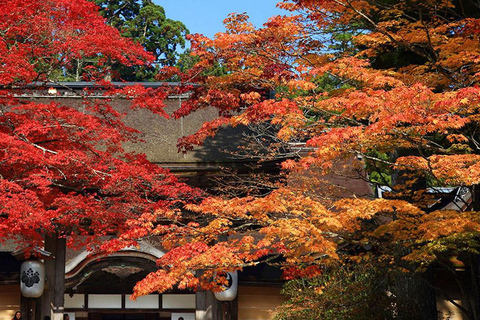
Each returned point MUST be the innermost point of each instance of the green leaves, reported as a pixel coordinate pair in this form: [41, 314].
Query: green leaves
[146, 23]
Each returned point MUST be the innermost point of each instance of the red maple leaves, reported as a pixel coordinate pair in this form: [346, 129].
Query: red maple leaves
[63, 170]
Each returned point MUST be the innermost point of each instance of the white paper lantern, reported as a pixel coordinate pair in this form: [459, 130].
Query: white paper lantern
[32, 278]
[229, 292]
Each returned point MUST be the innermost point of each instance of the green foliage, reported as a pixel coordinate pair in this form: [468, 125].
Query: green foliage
[187, 61]
[147, 24]
[349, 292]
[340, 39]
[379, 170]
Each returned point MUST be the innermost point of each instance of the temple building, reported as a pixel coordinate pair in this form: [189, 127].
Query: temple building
[98, 286]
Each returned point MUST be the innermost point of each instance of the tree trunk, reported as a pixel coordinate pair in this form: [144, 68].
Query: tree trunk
[78, 72]
[473, 264]
[472, 286]
[415, 293]
[415, 296]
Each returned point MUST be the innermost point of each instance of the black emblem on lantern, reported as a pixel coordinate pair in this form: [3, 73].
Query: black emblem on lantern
[30, 278]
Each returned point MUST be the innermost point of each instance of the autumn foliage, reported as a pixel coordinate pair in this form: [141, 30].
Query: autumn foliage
[392, 83]
[400, 93]
[63, 170]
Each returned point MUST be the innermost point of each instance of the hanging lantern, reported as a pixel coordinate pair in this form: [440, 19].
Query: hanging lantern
[32, 278]
[229, 291]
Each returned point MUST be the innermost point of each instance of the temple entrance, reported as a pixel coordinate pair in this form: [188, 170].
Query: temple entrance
[128, 316]
[98, 287]
[159, 315]
[124, 316]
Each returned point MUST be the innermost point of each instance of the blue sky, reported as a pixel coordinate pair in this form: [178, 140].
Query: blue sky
[206, 16]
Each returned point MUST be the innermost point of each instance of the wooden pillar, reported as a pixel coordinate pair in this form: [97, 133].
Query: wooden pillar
[230, 310]
[38, 315]
[208, 307]
[234, 308]
[59, 287]
[47, 297]
[52, 300]
[25, 308]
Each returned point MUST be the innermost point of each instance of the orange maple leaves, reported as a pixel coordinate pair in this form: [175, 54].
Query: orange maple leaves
[414, 110]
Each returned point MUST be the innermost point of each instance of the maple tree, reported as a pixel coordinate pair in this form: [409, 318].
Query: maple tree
[401, 94]
[63, 170]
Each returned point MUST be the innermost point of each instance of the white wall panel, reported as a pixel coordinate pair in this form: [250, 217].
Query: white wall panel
[178, 301]
[75, 301]
[105, 301]
[143, 302]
